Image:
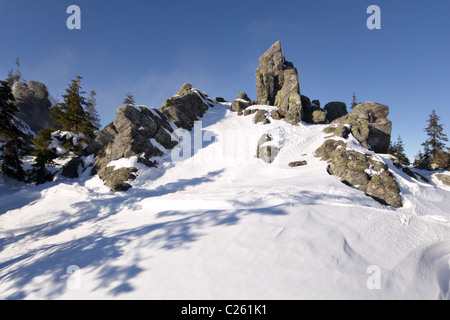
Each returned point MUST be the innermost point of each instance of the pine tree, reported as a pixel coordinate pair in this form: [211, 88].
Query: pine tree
[435, 151]
[13, 140]
[91, 110]
[397, 149]
[354, 103]
[44, 156]
[70, 115]
[14, 77]
[129, 99]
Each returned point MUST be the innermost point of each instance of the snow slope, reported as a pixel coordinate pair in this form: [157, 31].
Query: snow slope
[221, 224]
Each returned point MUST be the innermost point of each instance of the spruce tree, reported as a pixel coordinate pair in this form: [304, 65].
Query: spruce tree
[129, 99]
[91, 110]
[14, 77]
[13, 140]
[435, 152]
[354, 103]
[44, 156]
[397, 149]
[70, 115]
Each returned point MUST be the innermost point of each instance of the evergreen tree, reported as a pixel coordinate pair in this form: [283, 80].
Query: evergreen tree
[129, 99]
[354, 103]
[93, 115]
[44, 156]
[13, 140]
[14, 77]
[397, 149]
[435, 151]
[70, 115]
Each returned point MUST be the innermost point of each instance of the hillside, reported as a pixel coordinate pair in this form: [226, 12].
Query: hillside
[222, 224]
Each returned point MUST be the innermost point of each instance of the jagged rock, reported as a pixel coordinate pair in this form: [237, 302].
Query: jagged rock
[361, 171]
[276, 114]
[369, 124]
[136, 131]
[32, 99]
[186, 107]
[277, 84]
[444, 178]
[335, 110]
[316, 103]
[266, 151]
[294, 164]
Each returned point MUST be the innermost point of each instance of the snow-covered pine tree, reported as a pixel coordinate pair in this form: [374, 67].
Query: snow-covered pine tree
[71, 116]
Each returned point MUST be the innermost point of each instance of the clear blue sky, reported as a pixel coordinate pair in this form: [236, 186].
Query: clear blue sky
[150, 48]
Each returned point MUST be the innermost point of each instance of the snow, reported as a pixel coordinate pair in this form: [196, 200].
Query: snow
[222, 224]
[132, 162]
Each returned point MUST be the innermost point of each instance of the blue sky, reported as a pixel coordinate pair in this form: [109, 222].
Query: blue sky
[150, 48]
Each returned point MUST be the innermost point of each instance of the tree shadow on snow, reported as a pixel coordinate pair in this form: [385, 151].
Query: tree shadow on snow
[47, 265]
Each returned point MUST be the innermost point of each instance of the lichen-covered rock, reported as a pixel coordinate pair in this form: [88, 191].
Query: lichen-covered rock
[300, 163]
[361, 171]
[444, 178]
[32, 100]
[277, 84]
[319, 116]
[241, 103]
[369, 125]
[186, 107]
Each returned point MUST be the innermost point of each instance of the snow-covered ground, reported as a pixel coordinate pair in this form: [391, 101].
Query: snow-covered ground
[221, 224]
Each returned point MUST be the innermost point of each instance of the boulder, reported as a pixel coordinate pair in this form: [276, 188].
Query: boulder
[301, 163]
[319, 116]
[277, 84]
[266, 151]
[307, 108]
[335, 110]
[241, 103]
[219, 99]
[444, 178]
[186, 107]
[261, 117]
[369, 125]
[32, 100]
[361, 171]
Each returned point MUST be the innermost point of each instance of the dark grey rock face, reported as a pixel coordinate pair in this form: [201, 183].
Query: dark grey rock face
[32, 99]
[277, 84]
[335, 110]
[186, 107]
[369, 124]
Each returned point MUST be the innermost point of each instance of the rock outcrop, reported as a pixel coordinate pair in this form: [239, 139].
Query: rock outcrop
[32, 99]
[277, 84]
[361, 171]
[186, 107]
[368, 123]
[136, 131]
